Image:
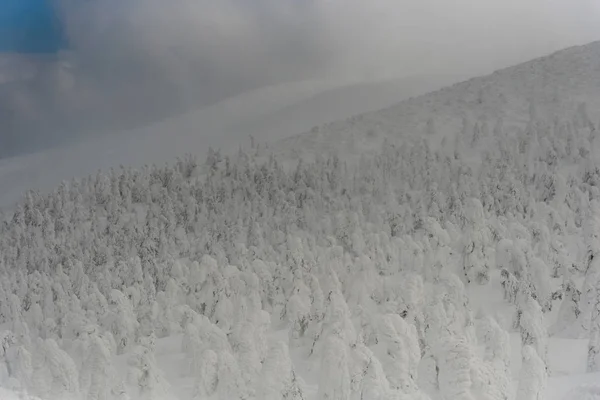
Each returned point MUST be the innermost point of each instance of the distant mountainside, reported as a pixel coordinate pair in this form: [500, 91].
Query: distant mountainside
[47, 100]
[550, 87]
[267, 114]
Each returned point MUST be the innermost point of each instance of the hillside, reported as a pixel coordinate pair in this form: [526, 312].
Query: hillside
[445, 248]
[555, 85]
[267, 114]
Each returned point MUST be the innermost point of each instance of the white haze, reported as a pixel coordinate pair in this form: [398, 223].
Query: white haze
[139, 61]
[267, 40]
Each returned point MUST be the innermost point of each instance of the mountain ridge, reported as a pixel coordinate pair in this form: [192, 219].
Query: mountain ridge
[485, 97]
[226, 126]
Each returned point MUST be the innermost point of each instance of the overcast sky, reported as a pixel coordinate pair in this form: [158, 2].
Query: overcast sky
[154, 53]
[274, 39]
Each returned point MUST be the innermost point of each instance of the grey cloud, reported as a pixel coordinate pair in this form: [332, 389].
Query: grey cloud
[138, 60]
[266, 40]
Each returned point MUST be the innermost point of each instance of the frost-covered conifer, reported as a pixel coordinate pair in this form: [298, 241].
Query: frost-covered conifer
[96, 304]
[533, 376]
[593, 359]
[5, 311]
[592, 232]
[206, 377]
[531, 324]
[146, 375]
[231, 384]
[22, 334]
[510, 256]
[121, 321]
[375, 385]
[364, 284]
[436, 322]
[428, 374]
[334, 383]
[510, 285]
[588, 297]
[163, 311]
[496, 341]
[278, 380]
[99, 369]
[337, 320]
[35, 318]
[297, 310]
[245, 349]
[413, 294]
[539, 277]
[402, 354]
[455, 369]
[476, 265]
[569, 311]
[19, 363]
[54, 371]
[224, 311]
[493, 372]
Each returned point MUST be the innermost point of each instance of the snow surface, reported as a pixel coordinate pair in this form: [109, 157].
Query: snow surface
[541, 91]
[6, 394]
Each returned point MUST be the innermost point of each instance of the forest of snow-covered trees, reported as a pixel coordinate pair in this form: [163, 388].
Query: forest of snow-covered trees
[327, 280]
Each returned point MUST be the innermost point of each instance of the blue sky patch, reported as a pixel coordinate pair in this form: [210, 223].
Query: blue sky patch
[29, 26]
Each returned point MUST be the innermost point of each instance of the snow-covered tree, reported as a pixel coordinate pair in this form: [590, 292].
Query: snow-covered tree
[402, 354]
[455, 369]
[121, 321]
[19, 363]
[593, 359]
[588, 297]
[531, 324]
[510, 285]
[334, 383]
[476, 263]
[54, 371]
[375, 385]
[206, 377]
[493, 372]
[569, 310]
[539, 277]
[413, 294]
[592, 232]
[98, 366]
[146, 375]
[298, 310]
[533, 376]
[231, 384]
[395, 360]
[511, 257]
[336, 320]
[246, 352]
[278, 380]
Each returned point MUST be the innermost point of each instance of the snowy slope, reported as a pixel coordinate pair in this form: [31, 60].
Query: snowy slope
[557, 83]
[418, 273]
[267, 114]
[6, 394]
